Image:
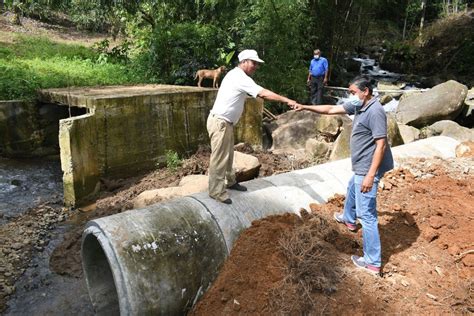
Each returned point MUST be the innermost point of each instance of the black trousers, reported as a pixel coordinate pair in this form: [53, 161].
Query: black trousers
[317, 86]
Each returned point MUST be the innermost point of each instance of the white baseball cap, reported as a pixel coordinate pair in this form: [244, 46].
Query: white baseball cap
[249, 54]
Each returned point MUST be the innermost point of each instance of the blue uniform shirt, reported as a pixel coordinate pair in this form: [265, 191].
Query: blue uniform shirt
[318, 67]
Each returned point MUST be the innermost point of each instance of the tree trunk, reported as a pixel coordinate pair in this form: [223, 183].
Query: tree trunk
[422, 20]
[17, 14]
[2, 6]
[405, 25]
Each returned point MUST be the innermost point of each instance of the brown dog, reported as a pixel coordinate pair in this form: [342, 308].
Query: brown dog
[213, 74]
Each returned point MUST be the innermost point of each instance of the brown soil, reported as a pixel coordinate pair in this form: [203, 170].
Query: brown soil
[62, 34]
[286, 265]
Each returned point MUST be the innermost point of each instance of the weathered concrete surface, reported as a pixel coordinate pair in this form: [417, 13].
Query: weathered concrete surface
[28, 129]
[130, 128]
[81, 172]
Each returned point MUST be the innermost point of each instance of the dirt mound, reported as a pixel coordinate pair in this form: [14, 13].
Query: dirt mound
[290, 266]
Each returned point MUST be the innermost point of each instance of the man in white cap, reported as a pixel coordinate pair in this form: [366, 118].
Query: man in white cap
[225, 113]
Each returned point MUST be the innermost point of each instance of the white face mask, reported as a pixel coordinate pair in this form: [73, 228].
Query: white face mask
[316, 56]
[355, 101]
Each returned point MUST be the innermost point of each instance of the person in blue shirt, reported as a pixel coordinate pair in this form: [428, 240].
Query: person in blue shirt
[317, 77]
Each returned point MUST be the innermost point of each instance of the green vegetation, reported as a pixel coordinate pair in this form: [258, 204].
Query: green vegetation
[32, 63]
[166, 41]
[172, 160]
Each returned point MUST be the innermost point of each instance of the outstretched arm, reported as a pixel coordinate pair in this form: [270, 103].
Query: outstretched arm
[272, 96]
[322, 109]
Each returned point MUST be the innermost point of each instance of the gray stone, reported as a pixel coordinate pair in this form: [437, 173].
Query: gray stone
[382, 85]
[442, 102]
[341, 147]
[317, 149]
[294, 128]
[246, 167]
[394, 136]
[330, 125]
[385, 99]
[450, 129]
[466, 117]
[408, 133]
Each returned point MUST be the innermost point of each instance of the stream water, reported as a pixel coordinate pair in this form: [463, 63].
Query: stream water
[27, 183]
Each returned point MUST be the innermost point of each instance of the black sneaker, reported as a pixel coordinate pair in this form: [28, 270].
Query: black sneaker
[237, 187]
[227, 201]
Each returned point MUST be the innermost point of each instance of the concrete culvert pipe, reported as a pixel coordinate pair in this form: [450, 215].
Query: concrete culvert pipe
[160, 259]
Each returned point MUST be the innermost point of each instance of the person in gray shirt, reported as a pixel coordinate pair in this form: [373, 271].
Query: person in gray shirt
[371, 157]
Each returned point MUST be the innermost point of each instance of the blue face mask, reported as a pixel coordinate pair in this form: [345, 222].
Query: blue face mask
[355, 101]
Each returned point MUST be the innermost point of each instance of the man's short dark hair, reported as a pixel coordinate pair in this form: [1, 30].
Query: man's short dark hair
[362, 82]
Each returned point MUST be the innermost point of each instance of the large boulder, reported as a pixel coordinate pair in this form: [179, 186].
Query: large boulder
[450, 129]
[341, 147]
[410, 93]
[390, 88]
[442, 102]
[329, 126]
[409, 133]
[317, 149]
[466, 117]
[293, 129]
[188, 185]
[393, 132]
[246, 168]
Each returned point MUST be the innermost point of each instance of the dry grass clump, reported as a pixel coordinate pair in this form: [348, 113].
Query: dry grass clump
[310, 268]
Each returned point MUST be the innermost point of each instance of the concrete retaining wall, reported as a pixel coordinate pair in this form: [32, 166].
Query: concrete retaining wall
[29, 129]
[129, 129]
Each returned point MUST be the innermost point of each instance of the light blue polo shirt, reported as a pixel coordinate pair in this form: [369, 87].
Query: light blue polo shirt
[318, 67]
[369, 124]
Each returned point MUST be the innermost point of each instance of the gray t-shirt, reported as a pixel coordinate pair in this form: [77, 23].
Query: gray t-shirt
[370, 123]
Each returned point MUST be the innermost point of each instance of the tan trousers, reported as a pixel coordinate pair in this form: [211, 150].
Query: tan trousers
[221, 134]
